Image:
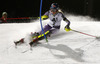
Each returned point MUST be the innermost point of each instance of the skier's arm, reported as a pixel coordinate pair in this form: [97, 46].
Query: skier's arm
[45, 16]
[67, 27]
[67, 21]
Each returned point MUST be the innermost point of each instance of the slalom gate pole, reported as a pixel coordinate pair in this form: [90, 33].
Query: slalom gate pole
[41, 21]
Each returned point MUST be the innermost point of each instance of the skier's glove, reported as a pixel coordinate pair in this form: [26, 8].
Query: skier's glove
[44, 17]
[67, 28]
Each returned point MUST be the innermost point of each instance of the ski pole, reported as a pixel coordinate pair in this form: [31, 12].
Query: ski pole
[85, 34]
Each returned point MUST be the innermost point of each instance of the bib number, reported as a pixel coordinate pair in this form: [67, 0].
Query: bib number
[54, 20]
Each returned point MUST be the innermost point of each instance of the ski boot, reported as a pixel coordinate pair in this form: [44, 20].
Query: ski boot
[34, 42]
[35, 39]
[20, 41]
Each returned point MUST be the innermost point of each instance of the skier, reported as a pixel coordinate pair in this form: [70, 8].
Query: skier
[52, 26]
[4, 18]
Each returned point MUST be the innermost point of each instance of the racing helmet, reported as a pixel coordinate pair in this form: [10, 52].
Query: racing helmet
[54, 6]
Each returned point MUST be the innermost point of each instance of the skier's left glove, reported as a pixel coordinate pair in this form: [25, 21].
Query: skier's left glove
[67, 28]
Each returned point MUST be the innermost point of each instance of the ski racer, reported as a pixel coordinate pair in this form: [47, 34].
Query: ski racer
[4, 18]
[52, 26]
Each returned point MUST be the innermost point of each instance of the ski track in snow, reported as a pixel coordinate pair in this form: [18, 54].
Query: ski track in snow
[62, 48]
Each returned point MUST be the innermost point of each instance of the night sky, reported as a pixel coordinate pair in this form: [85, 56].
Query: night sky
[29, 8]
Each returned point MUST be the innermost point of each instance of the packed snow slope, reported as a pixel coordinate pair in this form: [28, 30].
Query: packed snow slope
[62, 48]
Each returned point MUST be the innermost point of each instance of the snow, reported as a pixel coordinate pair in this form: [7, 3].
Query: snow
[62, 48]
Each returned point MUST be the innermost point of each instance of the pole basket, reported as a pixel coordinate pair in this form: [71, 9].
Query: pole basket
[98, 38]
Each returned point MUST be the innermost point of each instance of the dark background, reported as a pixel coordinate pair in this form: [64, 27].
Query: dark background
[30, 8]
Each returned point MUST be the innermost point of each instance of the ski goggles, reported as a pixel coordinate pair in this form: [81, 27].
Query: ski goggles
[53, 10]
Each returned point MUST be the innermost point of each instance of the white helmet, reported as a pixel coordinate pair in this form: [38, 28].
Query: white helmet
[4, 13]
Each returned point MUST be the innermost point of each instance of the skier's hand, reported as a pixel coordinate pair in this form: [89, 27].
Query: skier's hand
[67, 28]
[44, 17]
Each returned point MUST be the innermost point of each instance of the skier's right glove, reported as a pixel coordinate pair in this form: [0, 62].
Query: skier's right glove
[44, 17]
[67, 28]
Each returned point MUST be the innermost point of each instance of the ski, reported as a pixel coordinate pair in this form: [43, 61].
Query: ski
[19, 42]
[25, 51]
[32, 44]
[31, 48]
